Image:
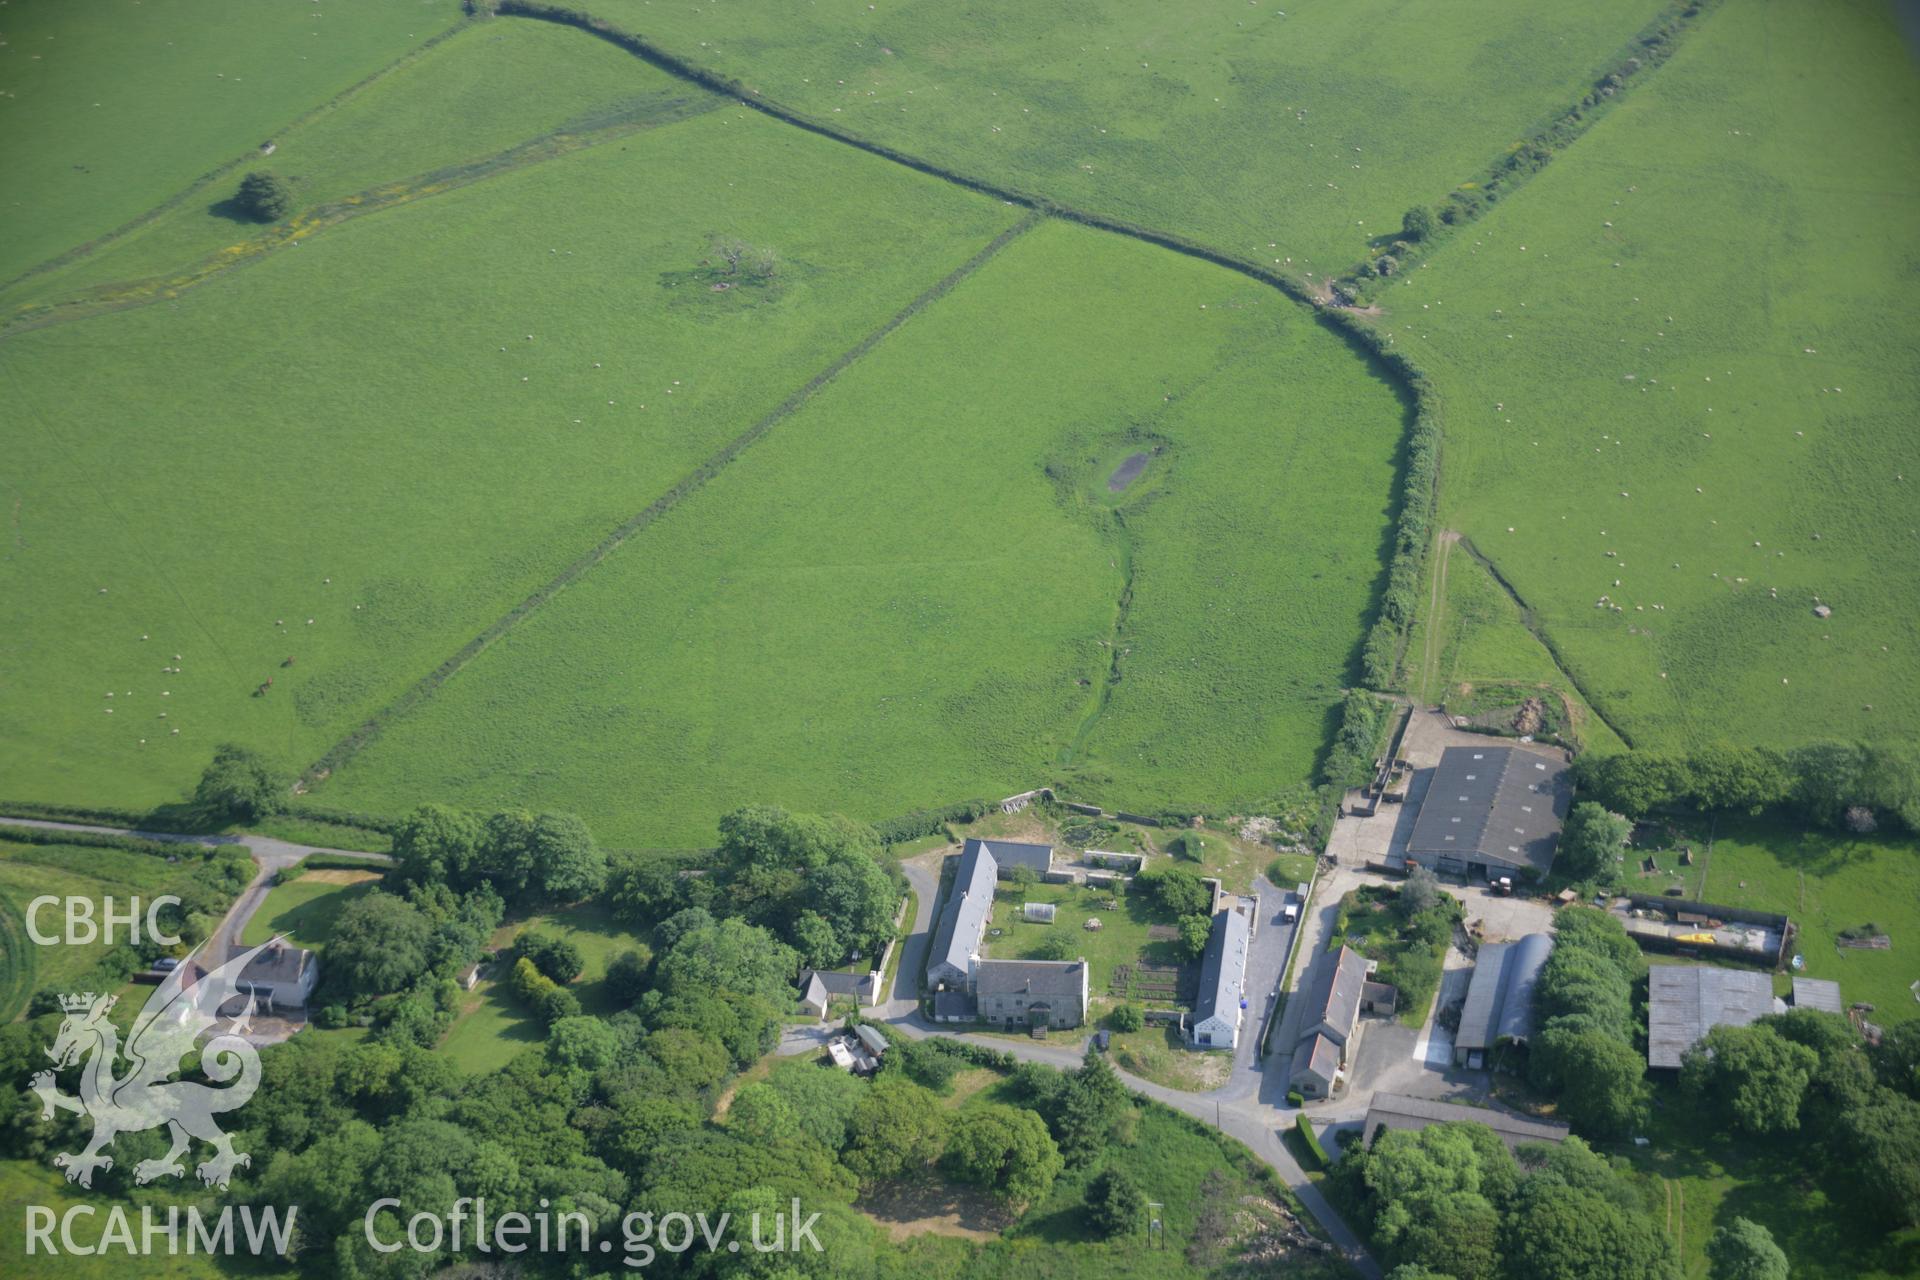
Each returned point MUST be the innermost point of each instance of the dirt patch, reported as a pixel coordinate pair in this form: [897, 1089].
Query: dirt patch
[932, 1207]
[339, 875]
[1127, 472]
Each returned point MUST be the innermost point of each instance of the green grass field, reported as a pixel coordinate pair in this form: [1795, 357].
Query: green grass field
[402, 465]
[305, 908]
[24, 1183]
[910, 591]
[1680, 362]
[1121, 939]
[1290, 132]
[108, 110]
[29, 871]
[485, 89]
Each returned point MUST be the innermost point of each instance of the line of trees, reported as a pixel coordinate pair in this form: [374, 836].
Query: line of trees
[1852, 786]
[1584, 1052]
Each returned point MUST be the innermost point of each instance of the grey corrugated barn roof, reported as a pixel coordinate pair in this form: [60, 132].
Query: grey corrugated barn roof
[1008, 854]
[968, 906]
[1500, 998]
[1028, 977]
[1684, 1001]
[1817, 993]
[1493, 804]
[1223, 969]
[1397, 1111]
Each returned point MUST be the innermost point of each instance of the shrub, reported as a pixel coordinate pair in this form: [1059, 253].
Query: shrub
[1419, 223]
[1127, 1017]
[553, 956]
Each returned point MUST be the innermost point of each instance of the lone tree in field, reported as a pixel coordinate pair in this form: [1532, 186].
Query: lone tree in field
[1744, 1250]
[240, 784]
[1418, 222]
[264, 197]
[738, 258]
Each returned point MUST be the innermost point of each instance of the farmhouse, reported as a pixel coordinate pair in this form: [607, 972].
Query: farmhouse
[281, 977]
[1031, 993]
[963, 919]
[1333, 995]
[1499, 1004]
[1685, 1001]
[1397, 1111]
[1008, 854]
[1221, 1002]
[1491, 811]
[820, 988]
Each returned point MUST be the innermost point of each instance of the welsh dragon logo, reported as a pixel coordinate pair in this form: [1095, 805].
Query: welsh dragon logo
[180, 1010]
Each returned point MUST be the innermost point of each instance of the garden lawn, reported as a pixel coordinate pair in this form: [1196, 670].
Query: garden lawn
[1289, 132]
[110, 109]
[281, 468]
[306, 908]
[1121, 938]
[1679, 378]
[492, 1025]
[909, 592]
[486, 87]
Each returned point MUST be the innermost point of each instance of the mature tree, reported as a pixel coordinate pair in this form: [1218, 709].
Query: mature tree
[566, 864]
[1089, 1110]
[436, 844]
[1574, 1220]
[1591, 841]
[1827, 779]
[1601, 1079]
[857, 897]
[264, 197]
[1879, 1140]
[1419, 891]
[823, 1102]
[379, 945]
[1126, 1017]
[239, 784]
[642, 888]
[1752, 1075]
[1115, 1203]
[584, 1044]
[815, 940]
[627, 974]
[1418, 223]
[1005, 1149]
[1735, 777]
[1056, 944]
[729, 957]
[1177, 889]
[1744, 1250]
[897, 1128]
[1634, 782]
[506, 853]
[760, 1112]
[1195, 930]
[1897, 1058]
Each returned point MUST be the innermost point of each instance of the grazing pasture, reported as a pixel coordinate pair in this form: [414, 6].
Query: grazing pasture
[334, 486]
[1291, 132]
[484, 90]
[913, 590]
[1679, 375]
[29, 871]
[107, 110]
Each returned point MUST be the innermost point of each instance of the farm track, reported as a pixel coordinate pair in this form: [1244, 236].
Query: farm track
[1103, 698]
[127, 295]
[692, 483]
[1532, 624]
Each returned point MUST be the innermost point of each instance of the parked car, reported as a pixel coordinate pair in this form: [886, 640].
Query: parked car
[1101, 1039]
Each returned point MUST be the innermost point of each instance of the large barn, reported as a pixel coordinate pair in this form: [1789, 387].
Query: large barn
[1491, 811]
